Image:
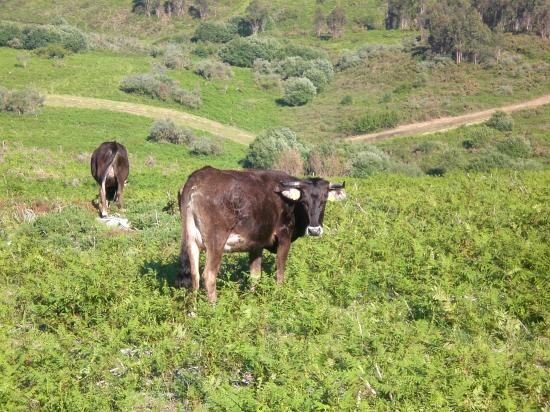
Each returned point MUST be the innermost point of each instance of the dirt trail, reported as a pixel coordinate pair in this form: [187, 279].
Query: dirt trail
[447, 123]
[201, 123]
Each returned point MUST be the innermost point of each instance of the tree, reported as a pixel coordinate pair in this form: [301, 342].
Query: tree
[318, 22]
[203, 7]
[336, 21]
[256, 15]
[456, 27]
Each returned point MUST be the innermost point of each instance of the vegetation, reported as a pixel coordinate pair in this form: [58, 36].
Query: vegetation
[165, 130]
[456, 265]
[20, 101]
[268, 147]
[299, 91]
[501, 121]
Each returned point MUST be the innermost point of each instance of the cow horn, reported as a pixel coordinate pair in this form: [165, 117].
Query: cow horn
[335, 186]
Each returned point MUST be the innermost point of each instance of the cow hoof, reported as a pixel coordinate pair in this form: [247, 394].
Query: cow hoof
[103, 214]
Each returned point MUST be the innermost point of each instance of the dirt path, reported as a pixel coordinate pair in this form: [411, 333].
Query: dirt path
[447, 123]
[201, 123]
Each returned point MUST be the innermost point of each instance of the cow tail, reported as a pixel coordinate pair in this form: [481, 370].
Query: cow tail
[110, 162]
[184, 273]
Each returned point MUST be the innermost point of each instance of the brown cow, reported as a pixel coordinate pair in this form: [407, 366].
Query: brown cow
[110, 169]
[246, 211]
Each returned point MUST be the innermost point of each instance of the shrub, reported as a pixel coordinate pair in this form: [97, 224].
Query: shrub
[515, 147]
[368, 161]
[268, 146]
[501, 121]
[51, 51]
[73, 39]
[348, 60]
[8, 33]
[317, 77]
[488, 160]
[146, 84]
[374, 121]
[290, 161]
[212, 69]
[505, 90]
[191, 99]
[34, 37]
[328, 165]
[175, 57]
[346, 100]
[160, 86]
[298, 91]
[477, 138]
[305, 52]
[215, 32]
[291, 67]
[268, 81]
[204, 146]
[167, 131]
[244, 51]
[242, 25]
[20, 101]
[119, 44]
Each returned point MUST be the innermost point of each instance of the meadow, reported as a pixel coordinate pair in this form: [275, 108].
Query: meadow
[426, 293]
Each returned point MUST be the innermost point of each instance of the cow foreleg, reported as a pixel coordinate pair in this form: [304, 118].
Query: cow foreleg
[213, 261]
[282, 255]
[255, 260]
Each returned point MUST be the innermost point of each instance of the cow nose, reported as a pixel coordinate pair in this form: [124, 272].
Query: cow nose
[314, 230]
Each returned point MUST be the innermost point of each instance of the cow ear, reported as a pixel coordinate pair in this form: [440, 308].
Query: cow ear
[291, 193]
[336, 195]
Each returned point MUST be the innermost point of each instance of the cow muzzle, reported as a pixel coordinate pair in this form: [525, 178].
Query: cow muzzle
[314, 231]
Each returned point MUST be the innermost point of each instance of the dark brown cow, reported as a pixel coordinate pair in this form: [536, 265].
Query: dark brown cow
[246, 211]
[110, 169]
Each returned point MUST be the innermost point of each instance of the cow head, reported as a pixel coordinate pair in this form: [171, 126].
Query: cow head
[312, 195]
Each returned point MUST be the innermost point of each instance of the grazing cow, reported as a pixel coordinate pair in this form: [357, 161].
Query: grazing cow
[110, 169]
[246, 211]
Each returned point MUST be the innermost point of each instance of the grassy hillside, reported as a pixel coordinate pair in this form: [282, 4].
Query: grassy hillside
[426, 293]
[116, 17]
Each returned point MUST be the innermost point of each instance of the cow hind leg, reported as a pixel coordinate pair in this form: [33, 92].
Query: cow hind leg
[213, 261]
[255, 260]
[189, 275]
[103, 199]
[120, 194]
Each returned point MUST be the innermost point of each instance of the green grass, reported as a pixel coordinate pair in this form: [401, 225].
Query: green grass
[424, 294]
[98, 74]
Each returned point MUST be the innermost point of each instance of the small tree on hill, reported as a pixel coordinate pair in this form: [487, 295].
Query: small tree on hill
[203, 7]
[257, 14]
[336, 21]
[318, 22]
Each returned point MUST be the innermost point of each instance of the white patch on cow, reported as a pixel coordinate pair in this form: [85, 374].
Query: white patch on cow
[233, 242]
[292, 194]
[193, 232]
[111, 172]
[336, 195]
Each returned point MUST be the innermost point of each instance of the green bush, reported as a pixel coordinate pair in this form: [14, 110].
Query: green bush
[488, 160]
[212, 69]
[191, 99]
[346, 100]
[34, 37]
[20, 101]
[244, 51]
[515, 147]
[317, 77]
[73, 39]
[175, 57]
[160, 86]
[215, 32]
[371, 122]
[268, 146]
[305, 52]
[204, 146]
[298, 91]
[501, 121]
[291, 67]
[51, 51]
[8, 33]
[165, 130]
[477, 137]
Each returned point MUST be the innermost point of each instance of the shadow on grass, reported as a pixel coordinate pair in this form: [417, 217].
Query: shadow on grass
[234, 268]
